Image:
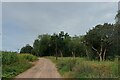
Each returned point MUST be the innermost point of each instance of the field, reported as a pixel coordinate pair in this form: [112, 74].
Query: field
[69, 67]
[13, 63]
[82, 68]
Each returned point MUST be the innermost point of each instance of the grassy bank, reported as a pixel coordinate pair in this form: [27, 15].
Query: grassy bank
[83, 68]
[13, 63]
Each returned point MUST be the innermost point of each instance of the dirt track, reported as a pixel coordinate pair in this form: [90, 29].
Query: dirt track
[43, 68]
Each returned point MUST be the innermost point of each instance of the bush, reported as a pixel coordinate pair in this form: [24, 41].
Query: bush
[28, 57]
[12, 70]
[9, 58]
[71, 63]
[14, 63]
[66, 65]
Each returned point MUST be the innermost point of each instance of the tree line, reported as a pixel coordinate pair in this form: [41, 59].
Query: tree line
[61, 44]
[99, 43]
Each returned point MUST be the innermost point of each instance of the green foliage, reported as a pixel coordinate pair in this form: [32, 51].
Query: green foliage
[99, 41]
[10, 71]
[41, 46]
[14, 63]
[77, 47]
[26, 49]
[60, 44]
[27, 57]
[9, 58]
[62, 67]
[101, 70]
[44, 41]
[83, 68]
[66, 65]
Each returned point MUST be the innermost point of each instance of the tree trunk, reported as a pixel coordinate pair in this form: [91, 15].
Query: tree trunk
[87, 53]
[104, 54]
[61, 53]
[56, 51]
[56, 55]
[100, 57]
[100, 54]
[73, 54]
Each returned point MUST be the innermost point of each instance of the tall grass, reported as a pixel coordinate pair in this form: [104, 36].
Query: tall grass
[83, 68]
[27, 57]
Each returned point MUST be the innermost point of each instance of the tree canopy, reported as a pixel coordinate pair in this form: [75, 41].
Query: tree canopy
[26, 49]
[100, 43]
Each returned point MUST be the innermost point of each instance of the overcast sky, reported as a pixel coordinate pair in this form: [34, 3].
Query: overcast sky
[23, 22]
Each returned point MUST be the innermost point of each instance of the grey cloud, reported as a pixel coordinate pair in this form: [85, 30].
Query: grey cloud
[39, 18]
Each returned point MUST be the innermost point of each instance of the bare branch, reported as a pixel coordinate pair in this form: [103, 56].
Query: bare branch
[95, 50]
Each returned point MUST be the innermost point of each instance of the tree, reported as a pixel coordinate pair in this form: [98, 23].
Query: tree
[117, 17]
[54, 39]
[116, 41]
[77, 48]
[44, 44]
[26, 49]
[99, 39]
[36, 47]
[41, 45]
[61, 42]
[67, 45]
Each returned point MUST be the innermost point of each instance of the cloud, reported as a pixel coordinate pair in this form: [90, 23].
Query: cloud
[22, 22]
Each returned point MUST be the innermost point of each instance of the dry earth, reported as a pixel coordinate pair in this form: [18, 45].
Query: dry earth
[43, 68]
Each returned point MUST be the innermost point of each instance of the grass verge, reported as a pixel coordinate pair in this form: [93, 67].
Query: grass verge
[14, 64]
[82, 68]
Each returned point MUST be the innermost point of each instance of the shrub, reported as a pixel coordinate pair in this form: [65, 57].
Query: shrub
[71, 63]
[12, 70]
[14, 63]
[65, 65]
[28, 57]
[9, 58]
